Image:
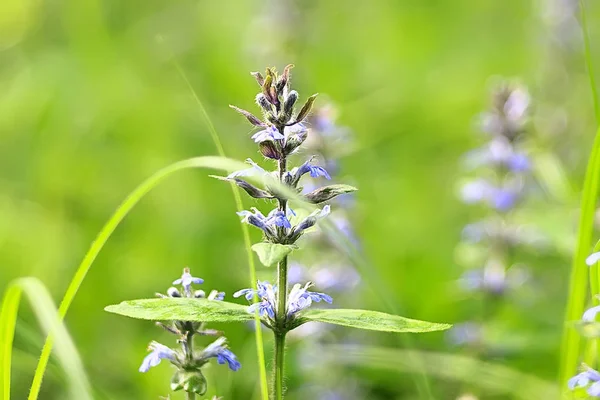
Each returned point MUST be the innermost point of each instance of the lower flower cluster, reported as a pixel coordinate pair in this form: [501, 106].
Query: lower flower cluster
[298, 299]
[188, 361]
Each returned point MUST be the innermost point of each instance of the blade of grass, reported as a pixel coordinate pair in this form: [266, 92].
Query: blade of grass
[219, 163]
[46, 313]
[260, 352]
[578, 295]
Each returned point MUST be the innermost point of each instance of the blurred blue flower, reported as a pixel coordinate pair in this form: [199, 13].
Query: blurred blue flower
[219, 350]
[503, 200]
[158, 352]
[585, 378]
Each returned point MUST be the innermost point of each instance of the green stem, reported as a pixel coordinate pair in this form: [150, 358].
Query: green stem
[281, 289]
[190, 396]
[279, 365]
[280, 329]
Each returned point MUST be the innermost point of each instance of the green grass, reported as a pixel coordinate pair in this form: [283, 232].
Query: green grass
[52, 325]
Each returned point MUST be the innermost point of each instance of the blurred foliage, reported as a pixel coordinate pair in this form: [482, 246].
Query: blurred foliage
[91, 104]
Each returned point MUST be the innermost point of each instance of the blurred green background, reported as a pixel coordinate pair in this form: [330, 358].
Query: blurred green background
[91, 104]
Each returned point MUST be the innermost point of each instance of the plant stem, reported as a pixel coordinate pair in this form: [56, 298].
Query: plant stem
[190, 396]
[279, 330]
[279, 365]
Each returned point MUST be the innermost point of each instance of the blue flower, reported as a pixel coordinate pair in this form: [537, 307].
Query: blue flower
[186, 280]
[310, 221]
[261, 291]
[216, 295]
[298, 299]
[313, 170]
[158, 352]
[278, 218]
[256, 219]
[271, 133]
[518, 162]
[275, 218]
[503, 200]
[268, 299]
[585, 378]
[498, 152]
[219, 350]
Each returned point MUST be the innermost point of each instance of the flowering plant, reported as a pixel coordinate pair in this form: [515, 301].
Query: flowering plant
[282, 131]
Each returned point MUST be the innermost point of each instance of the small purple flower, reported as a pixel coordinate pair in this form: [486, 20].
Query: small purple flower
[158, 352]
[584, 378]
[517, 104]
[503, 200]
[271, 133]
[275, 218]
[475, 191]
[300, 298]
[268, 299]
[278, 218]
[311, 220]
[313, 170]
[186, 280]
[465, 333]
[518, 162]
[219, 350]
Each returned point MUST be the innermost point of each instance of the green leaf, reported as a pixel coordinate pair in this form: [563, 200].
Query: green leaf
[372, 320]
[328, 192]
[51, 324]
[183, 309]
[272, 253]
[306, 108]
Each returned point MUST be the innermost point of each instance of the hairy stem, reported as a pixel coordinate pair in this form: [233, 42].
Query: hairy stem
[281, 301]
[279, 365]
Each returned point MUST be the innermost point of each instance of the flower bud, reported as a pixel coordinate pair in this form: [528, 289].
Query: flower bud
[189, 381]
[288, 106]
[270, 149]
[262, 101]
[284, 78]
